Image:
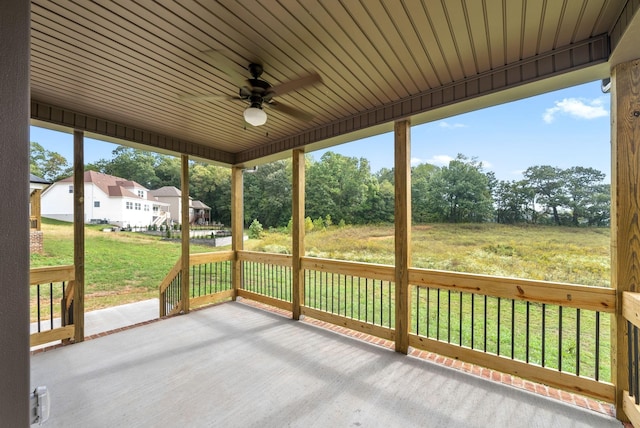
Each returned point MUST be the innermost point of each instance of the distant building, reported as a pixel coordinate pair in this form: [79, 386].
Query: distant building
[107, 199]
[199, 213]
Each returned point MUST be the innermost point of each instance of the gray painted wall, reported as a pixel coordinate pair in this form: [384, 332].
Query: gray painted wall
[14, 212]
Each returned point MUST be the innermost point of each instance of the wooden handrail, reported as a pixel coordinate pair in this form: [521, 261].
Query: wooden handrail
[364, 270]
[43, 275]
[171, 275]
[213, 257]
[266, 258]
[600, 299]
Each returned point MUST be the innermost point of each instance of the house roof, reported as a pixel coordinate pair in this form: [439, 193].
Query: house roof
[199, 205]
[167, 77]
[35, 179]
[166, 191]
[109, 184]
[172, 191]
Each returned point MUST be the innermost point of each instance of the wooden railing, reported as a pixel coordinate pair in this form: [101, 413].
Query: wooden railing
[209, 282]
[266, 278]
[552, 333]
[51, 295]
[631, 398]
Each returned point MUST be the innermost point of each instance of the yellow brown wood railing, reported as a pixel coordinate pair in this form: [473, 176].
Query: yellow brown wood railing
[210, 281]
[266, 278]
[360, 296]
[52, 321]
[521, 300]
[631, 398]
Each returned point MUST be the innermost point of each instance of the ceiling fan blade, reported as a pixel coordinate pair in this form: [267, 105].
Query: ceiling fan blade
[291, 111]
[297, 83]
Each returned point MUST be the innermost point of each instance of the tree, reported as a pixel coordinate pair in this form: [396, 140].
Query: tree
[513, 202]
[460, 192]
[51, 166]
[421, 176]
[548, 185]
[131, 164]
[267, 194]
[212, 185]
[581, 185]
[339, 185]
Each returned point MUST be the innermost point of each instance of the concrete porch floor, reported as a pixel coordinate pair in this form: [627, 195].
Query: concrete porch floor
[233, 365]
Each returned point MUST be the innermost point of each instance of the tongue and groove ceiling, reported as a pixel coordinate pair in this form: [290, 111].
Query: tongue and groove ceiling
[126, 69]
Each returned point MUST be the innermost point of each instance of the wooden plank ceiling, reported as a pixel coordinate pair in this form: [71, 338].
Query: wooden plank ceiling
[131, 62]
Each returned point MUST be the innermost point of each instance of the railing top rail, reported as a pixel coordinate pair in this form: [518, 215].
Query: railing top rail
[631, 307]
[361, 269]
[212, 257]
[48, 274]
[269, 258]
[171, 275]
[578, 296]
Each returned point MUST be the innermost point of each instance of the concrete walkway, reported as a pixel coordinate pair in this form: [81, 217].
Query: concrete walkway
[233, 365]
[114, 318]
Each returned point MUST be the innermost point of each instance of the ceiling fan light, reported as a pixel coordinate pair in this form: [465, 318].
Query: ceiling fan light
[255, 116]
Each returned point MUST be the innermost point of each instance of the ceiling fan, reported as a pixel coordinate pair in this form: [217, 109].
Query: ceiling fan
[259, 93]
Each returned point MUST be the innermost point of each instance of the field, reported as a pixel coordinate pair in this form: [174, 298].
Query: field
[124, 267]
[561, 254]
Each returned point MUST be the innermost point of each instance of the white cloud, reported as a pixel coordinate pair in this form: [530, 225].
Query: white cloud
[416, 161]
[440, 160]
[448, 125]
[486, 164]
[577, 108]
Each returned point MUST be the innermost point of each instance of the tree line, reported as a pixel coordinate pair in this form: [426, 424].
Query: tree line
[342, 189]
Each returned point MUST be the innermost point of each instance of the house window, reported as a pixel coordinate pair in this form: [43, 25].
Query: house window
[70, 189]
[146, 207]
[141, 193]
[129, 205]
[96, 204]
[138, 206]
[156, 209]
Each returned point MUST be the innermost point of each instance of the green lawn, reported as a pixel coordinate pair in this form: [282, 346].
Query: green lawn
[125, 267]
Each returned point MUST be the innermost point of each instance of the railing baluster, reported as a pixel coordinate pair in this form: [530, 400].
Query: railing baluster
[428, 310]
[460, 321]
[513, 327]
[577, 342]
[597, 356]
[485, 324]
[438, 317]
[51, 305]
[38, 296]
[527, 332]
[544, 332]
[560, 338]
[636, 383]
[473, 319]
[631, 359]
[449, 316]
[498, 328]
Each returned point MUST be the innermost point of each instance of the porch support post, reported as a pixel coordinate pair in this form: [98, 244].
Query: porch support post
[78, 234]
[402, 131]
[184, 201]
[14, 212]
[625, 208]
[297, 232]
[36, 207]
[237, 227]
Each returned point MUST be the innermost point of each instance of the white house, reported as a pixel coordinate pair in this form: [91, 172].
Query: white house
[107, 199]
[199, 213]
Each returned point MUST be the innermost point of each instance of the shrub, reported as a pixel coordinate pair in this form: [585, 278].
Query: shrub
[255, 229]
[318, 224]
[308, 224]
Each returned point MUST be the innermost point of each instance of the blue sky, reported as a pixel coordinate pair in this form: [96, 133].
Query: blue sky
[565, 128]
